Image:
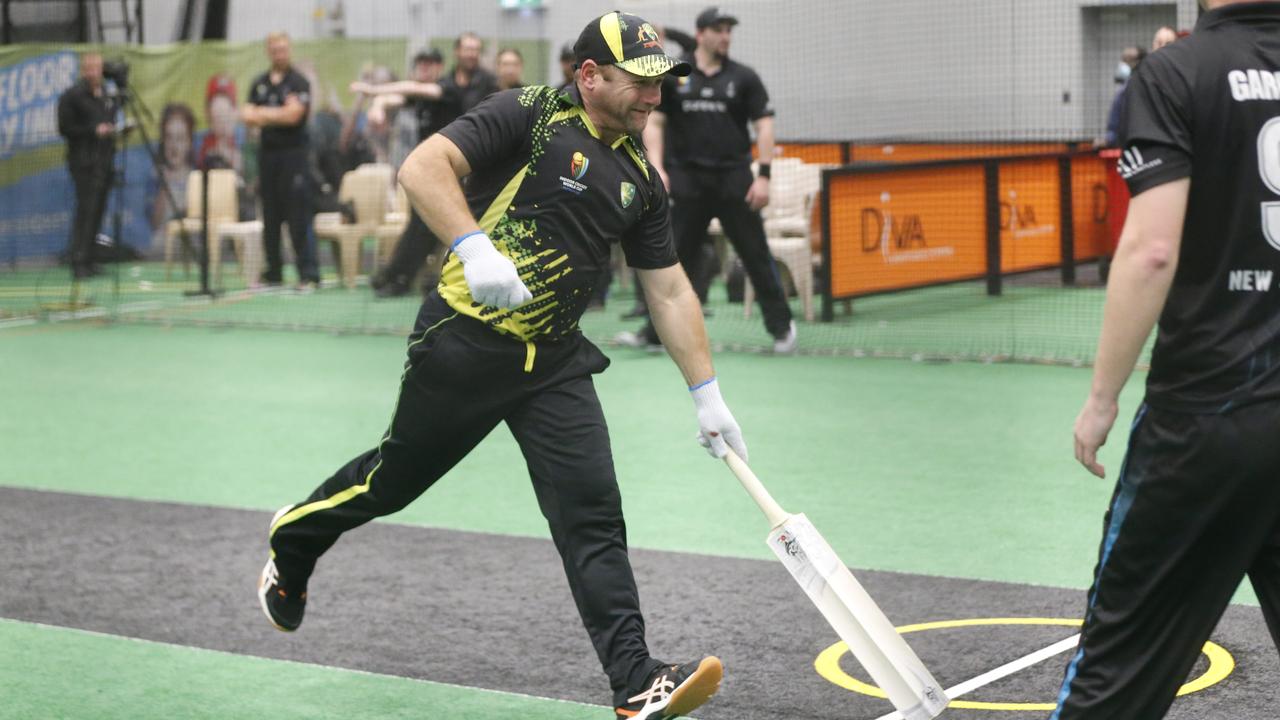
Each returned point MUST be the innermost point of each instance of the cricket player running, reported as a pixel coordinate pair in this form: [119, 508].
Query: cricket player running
[554, 179]
[1197, 503]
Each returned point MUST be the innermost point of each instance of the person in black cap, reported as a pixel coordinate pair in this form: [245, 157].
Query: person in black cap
[700, 143]
[553, 180]
[434, 106]
[86, 118]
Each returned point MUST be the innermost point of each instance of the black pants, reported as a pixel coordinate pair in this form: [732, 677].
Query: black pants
[460, 381]
[1196, 509]
[697, 196]
[92, 184]
[286, 198]
[411, 251]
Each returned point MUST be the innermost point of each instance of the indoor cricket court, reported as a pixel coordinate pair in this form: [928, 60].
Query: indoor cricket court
[943, 214]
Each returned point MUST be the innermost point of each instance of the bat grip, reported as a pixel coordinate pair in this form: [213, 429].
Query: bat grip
[773, 512]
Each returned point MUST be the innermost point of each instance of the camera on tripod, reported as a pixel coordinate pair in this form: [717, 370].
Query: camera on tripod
[117, 71]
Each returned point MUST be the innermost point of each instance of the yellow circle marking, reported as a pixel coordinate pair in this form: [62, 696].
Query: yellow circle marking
[828, 663]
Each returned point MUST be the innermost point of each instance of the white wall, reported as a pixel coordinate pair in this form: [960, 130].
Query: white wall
[837, 69]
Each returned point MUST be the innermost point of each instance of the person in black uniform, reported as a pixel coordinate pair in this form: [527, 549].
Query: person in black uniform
[86, 118]
[1197, 503]
[553, 179]
[434, 106]
[701, 133]
[279, 101]
[470, 82]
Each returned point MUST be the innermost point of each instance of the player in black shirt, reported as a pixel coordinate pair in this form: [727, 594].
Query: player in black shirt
[554, 179]
[279, 101]
[434, 106]
[470, 82]
[86, 118]
[701, 145]
[1197, 504]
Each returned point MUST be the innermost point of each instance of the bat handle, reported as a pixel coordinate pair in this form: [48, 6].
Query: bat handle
[773, 512]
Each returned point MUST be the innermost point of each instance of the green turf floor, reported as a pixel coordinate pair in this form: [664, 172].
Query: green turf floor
[48, 672]
[1035, 319]
[956, 469]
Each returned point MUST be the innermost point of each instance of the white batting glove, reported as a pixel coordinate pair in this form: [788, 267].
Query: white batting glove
[718, 431]
[492, 276]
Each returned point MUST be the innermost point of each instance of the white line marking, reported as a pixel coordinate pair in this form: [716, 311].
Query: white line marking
[1005, 670]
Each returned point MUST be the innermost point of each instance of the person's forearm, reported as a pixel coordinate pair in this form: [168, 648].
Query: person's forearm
[1136, 292]
[677, 318]
[284, 116]
[405, 87]
[764, 139]
[431, 183]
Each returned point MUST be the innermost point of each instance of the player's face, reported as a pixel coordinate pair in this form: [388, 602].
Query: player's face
[222, 116]
[177, 141]
[91, 69]
[716, 38]
[510, 70]
[426, 72]
[627, 100]
[279, 51]
[468, 54]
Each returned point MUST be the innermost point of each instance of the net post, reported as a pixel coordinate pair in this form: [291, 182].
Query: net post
[828, 298]
[991, 176]
[1066, 211]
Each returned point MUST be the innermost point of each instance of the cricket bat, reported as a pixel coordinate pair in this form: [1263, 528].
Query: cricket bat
[846, 605]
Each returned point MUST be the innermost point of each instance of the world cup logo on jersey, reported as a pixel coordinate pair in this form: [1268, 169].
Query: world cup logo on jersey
[578, 165]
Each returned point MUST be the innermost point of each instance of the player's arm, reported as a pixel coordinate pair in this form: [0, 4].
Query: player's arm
[289, 114]
[758, 193]
[380, 105]
[1141, 275]
[431, 91]
[677, 317]
[431, 177]
[655, 143]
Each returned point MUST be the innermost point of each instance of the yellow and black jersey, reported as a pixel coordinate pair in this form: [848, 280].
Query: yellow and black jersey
[1208, 108]
[554, 197]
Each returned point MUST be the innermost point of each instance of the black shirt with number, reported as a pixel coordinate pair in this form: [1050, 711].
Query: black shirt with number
[268, 94]
[1208, 108]
[707, 116]
[553, 196]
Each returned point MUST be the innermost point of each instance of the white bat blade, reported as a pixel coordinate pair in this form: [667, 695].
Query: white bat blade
[856, 618]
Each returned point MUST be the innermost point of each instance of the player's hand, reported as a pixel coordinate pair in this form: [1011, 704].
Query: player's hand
[360, 87]
[103, 129]
[249, 115]
[491, 276]
[717, 431]
[758, 193]
[376, 116]
[1092, 426]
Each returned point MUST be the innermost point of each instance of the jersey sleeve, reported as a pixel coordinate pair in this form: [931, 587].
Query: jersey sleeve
[670, 103]
[650, 245]
[757, 98]
[1155, 127]
[495, 129]
[255, 97]
[301, 88]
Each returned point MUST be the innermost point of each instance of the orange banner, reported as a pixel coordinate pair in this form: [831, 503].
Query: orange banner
[924, 152]
[1090, 205]
[1030, 215]
[906, 228]
[818, 153]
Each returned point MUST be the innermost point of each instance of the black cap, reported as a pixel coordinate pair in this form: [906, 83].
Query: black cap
[622, 39]
[714, 16]
[430, 55]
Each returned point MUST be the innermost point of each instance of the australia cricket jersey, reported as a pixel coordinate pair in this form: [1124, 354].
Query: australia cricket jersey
[554, 197]
[1208, 107]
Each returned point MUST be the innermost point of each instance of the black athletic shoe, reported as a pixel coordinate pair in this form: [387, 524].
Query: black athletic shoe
[282, 602]
[674, 690]
[283, 606]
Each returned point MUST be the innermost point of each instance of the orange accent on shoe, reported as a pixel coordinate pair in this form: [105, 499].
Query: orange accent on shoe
[626, 713]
